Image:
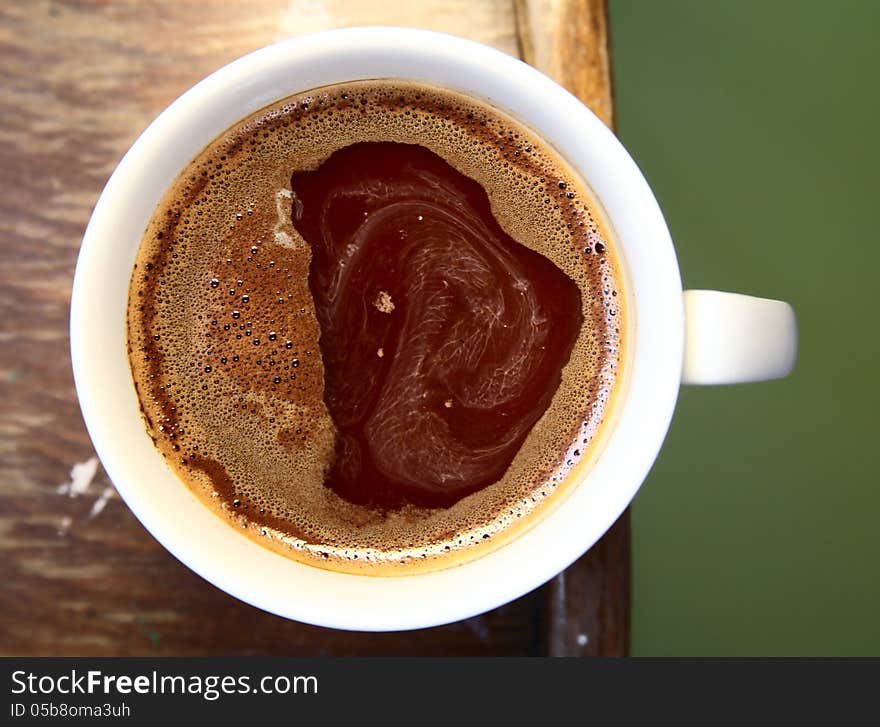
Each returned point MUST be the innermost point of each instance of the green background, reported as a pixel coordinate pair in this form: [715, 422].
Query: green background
[756, 124]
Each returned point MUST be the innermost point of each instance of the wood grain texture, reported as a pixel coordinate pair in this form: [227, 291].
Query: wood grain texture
[568, 41]
[80, 80]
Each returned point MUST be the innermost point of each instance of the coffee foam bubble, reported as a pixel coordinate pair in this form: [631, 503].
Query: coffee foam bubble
[224, 342]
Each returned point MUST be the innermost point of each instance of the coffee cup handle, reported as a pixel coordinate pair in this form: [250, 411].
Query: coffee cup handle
[732, 338]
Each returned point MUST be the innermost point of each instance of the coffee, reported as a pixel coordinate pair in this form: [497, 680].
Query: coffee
[443, 339]
[375, 326]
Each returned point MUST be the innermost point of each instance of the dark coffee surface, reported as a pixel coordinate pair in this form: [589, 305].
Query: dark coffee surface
[376, 326]
[443, 339]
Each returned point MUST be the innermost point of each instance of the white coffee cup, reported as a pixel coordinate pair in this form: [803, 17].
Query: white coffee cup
[702, 337]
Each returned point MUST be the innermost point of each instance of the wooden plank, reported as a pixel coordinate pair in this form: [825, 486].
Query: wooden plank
[587, 605]
[80, 81]
[568, 40]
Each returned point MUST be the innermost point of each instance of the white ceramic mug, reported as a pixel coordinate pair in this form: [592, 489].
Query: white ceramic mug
[697, 337]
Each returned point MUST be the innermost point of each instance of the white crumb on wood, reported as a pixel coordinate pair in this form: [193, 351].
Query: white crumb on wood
[380, 353]
[81, 476]
[583, 639]
[383, 302]
[101, 502]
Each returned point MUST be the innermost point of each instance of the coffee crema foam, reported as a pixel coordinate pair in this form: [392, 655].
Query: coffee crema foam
[224, 342]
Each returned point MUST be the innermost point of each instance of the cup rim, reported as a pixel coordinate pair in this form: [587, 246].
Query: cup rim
[210, 546]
